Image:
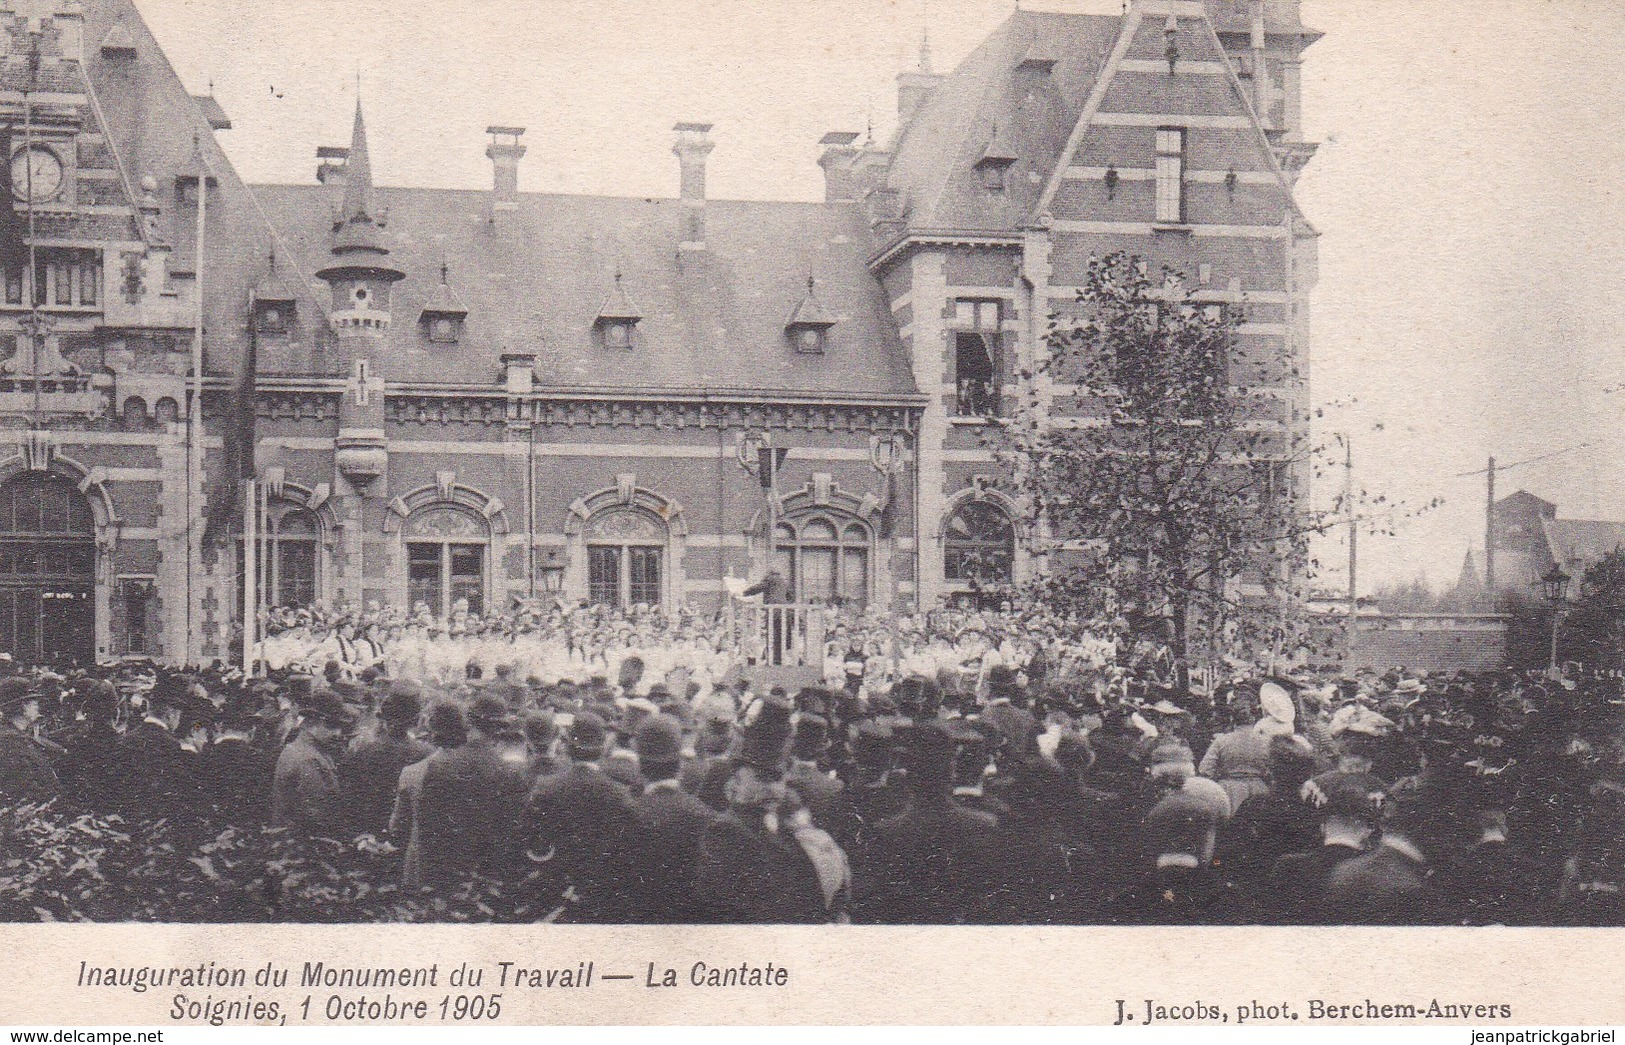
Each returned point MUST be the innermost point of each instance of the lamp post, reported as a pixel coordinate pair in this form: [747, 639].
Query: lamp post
[1555, 583]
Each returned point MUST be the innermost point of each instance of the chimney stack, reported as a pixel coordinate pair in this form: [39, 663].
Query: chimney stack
[839, 156]
[504, 152]
[332, 168]
[693, 145]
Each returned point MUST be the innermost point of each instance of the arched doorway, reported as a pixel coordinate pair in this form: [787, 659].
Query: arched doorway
[47, 571]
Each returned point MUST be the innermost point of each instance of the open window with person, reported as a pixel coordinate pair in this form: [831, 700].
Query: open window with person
[978, 358]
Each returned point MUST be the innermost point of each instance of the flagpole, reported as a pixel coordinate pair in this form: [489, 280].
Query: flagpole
[36, 333]
[250, 571]
[194, 415]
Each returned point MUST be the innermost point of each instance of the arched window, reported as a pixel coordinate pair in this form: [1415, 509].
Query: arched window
[979, 545]
[47, 571]
[825, 559]
[292, 537]
[446, 548]
[626, 549]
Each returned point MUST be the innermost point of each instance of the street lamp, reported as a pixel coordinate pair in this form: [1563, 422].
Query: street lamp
[1555, 583]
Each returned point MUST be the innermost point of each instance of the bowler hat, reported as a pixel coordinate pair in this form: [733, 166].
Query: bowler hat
[659, 740]
[489, 713]
[587, 735]
[403, 703]
[766, 736]
[1180, 823]
[811, 737]
[322, 703]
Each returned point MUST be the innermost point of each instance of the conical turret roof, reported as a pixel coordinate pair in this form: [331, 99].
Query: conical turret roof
[357, 236]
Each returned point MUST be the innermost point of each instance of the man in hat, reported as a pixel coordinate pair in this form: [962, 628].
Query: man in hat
[1182, 887]
[775, 593]
[541, 731]
[936, 861]
[25, 772]
[90, 769]
[371, 770]
[665, 846]
[748, 870]
[875, 789]
[823, 795]
[586, 818]
[156, 772]
[716, 729]
[234, 774]
[470, 801]
[305, 794]
[1173, 768]
[1277, 822]
[1393, 883]
[1296, 889]
[448, 730]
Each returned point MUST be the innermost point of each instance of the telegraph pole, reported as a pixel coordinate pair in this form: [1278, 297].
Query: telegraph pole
[1489, 532]
[1354, 547]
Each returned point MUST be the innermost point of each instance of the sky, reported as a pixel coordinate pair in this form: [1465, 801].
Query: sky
[1467, 189]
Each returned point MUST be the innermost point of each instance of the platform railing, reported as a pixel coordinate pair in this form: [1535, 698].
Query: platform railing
[783, 634]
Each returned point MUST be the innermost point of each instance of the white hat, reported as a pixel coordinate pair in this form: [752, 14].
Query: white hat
[1277, 703]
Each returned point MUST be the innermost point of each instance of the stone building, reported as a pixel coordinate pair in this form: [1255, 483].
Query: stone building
[488, 395]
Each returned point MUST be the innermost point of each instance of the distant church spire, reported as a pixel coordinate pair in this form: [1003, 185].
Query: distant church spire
[925, 50]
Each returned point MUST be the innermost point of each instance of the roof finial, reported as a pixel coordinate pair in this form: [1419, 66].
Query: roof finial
[444, 270]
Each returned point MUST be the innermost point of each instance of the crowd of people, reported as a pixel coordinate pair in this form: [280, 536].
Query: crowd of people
[959, 767]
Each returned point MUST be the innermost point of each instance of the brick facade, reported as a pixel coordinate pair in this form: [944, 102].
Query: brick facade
[490, 395]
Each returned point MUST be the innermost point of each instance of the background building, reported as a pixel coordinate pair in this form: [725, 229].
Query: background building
[452, 395]
[1530, 539]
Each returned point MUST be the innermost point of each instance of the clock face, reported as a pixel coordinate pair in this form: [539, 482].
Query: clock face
[36, 174]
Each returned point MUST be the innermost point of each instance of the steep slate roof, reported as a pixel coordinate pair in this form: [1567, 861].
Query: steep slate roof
[156, 128]
[984, 99]
[534, 279]
[1582, 541]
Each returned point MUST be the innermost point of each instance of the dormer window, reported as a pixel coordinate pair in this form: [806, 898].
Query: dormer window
[618, 333]
[617, 320]
[443, 316]
[810, 340]
[996, 162]
[273, 302]
[809, 324]
[272, 320]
